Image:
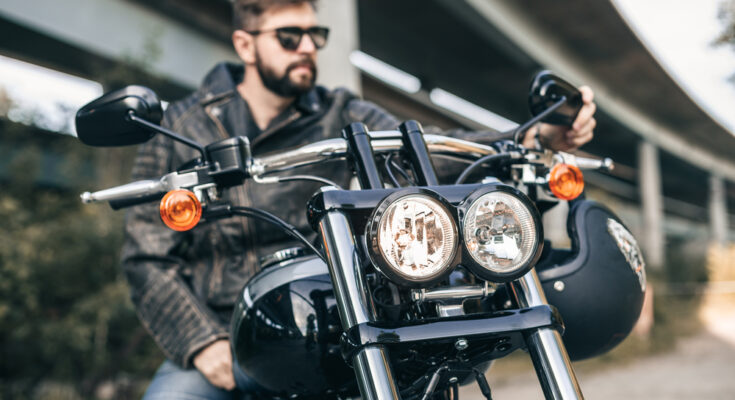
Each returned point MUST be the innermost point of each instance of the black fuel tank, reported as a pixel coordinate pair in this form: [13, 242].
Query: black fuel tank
[285, 332]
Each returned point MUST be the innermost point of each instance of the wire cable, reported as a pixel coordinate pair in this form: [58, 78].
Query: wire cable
[309, 178]
[388, 170]
[492, 159]
[403, 173]
[270, 218]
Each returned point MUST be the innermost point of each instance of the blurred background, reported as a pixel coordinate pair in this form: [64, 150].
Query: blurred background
[662, 72]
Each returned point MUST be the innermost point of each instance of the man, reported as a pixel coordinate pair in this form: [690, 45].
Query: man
[184, 284]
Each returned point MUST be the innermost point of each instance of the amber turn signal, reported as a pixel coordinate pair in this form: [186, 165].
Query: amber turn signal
[566, 181]
[180, 210]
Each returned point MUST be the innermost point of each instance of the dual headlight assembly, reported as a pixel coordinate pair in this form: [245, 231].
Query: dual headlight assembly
[416, 237]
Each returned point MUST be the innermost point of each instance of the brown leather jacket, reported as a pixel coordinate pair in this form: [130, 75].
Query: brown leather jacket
[184, 284]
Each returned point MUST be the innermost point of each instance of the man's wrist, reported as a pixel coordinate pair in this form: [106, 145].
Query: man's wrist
[530, 139]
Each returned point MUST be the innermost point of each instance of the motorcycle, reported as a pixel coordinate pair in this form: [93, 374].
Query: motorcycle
[414, 287]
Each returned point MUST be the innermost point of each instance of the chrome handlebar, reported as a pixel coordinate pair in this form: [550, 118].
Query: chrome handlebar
[325, 150]
[133, 189]
[143, 189]
[313, 153]
[382, 142]
[606, 164]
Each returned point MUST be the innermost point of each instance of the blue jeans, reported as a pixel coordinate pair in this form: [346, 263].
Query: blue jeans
[173, 382]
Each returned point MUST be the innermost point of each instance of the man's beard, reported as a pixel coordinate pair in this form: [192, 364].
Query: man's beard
[283, 85]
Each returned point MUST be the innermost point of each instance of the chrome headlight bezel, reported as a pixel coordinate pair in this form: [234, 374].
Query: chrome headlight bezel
[476, 267]
[376, 255]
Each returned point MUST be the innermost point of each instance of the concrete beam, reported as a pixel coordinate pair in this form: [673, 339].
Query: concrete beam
[123, 31]
[334, 65]
[546, 50]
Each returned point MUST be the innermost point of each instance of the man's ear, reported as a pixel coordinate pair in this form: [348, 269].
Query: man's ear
[244, 44]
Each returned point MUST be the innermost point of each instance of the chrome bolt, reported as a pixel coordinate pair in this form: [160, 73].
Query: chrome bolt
[559, 286]
[461, 344]
[453, 379]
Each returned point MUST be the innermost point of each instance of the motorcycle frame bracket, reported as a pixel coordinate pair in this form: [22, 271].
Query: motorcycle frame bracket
[482, 327]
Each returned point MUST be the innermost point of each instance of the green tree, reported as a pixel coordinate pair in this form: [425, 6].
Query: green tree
[65, 313]
[727, 16]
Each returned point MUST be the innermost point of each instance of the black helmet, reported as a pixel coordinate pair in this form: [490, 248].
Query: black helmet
[599, 285]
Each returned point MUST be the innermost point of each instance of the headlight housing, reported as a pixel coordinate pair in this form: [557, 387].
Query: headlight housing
[502, 233]
[412, 237]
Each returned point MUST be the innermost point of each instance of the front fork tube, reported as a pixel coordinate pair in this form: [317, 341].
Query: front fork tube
[550, 358]
[372, 369]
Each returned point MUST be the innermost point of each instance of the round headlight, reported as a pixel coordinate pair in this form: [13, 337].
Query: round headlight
[412, 238]
[501, 235]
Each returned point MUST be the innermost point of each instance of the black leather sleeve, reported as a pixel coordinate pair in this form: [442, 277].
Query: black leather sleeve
[151, 260]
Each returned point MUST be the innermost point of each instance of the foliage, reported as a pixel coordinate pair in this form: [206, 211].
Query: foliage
[65, 313]
[727, 16]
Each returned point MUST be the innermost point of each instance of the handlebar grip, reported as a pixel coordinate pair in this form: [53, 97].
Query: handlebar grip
[134, 201]
[127, 192]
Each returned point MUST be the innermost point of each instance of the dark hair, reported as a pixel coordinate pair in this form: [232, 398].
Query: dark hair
[245, 13]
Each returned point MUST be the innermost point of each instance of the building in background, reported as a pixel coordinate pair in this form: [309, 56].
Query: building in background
[448, 63]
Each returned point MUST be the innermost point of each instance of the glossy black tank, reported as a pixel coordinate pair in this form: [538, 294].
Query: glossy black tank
[285, 332]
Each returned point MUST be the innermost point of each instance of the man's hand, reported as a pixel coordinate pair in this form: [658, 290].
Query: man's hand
[215, 363]
[561, 138]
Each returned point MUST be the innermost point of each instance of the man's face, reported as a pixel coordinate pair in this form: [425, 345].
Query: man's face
[287, 73]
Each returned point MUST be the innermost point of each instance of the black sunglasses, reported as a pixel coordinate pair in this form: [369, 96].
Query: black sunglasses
[290, 36]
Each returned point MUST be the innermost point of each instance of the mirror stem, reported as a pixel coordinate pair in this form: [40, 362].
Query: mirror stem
[537, 118]
[140, 121]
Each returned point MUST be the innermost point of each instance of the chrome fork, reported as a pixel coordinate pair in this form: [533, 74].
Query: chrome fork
[550, 358]
[372, 368]
[374, 376]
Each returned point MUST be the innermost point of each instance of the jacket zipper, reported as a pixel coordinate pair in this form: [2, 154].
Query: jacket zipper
[242, 193]
[242, 198]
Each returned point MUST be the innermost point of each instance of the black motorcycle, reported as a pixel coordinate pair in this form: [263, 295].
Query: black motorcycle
[414, 287]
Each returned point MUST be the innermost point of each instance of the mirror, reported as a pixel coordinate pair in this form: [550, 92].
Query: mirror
[547, 89]
[104, 121]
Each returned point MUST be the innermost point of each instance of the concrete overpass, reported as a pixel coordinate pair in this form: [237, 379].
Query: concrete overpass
[673, 158]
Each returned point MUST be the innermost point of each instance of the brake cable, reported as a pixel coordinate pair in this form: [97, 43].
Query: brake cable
[270, 218]
[491, 158]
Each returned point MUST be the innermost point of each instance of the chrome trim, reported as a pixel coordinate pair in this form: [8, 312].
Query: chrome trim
[308, 154]
[133, 189]
[382, 141]
[373, 375]
[552, 364]
[355, 306]
[452, 293]
[549, 356]
[170, 181]
[449, 310]
[281, 255]
[372, 369]
[606, 164]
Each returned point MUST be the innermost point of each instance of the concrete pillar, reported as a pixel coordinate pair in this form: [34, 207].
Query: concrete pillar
[649, 179]
[334, 65]
[718, 218]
